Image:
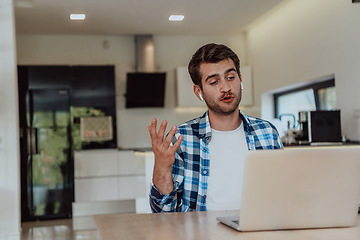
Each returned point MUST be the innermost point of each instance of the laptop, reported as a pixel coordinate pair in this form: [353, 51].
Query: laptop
[299, 189]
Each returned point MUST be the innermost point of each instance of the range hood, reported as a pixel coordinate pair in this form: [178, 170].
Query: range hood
[144, 53]
[145, 87]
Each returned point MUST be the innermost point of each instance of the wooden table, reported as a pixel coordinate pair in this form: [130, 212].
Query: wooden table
[202, 225]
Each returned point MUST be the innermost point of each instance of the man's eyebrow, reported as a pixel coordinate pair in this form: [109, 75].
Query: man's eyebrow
[215, 75]
[211, 76]
[230, 70]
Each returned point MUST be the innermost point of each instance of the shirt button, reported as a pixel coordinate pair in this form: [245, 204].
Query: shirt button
[205, 172]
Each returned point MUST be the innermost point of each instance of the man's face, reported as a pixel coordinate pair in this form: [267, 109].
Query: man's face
[221, 86]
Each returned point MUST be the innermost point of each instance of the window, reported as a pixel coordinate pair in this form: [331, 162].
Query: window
[311, 97]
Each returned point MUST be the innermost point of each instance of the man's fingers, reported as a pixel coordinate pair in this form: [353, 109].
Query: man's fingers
[178, 142]
[170, 136]
[152, 129]
[168, 139]
[162, 129]
[157, 137]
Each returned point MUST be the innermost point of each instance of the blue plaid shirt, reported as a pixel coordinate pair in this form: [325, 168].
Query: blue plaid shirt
[190, 170]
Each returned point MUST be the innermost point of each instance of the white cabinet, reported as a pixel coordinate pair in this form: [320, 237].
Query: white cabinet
[96, 189]
[184, 89]
[131, 187]
[247, 97]
[106, 181]
[96, 163]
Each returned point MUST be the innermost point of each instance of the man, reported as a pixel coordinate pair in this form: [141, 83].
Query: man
[198, 165]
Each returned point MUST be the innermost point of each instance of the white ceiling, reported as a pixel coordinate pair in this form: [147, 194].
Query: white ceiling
[113, 17]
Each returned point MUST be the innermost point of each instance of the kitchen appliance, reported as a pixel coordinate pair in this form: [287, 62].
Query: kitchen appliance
[52, 102]
[320, 126]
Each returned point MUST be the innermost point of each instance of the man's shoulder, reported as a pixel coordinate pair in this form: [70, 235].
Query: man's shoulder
[258, 123]
[197, 127]
[190, 128]
[193, 123]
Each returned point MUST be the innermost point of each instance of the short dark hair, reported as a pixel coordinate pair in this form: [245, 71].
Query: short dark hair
[210, 53]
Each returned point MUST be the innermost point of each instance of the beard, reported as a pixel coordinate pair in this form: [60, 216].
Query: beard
[221, 108]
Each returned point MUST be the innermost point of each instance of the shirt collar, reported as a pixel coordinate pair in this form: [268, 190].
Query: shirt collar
[205, 129]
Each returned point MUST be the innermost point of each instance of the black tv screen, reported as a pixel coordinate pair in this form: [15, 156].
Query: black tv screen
[145, 90]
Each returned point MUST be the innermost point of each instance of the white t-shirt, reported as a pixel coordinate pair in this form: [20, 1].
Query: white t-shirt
[227, 153]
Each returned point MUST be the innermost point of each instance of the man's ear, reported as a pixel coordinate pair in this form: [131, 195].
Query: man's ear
[197, 91]
[241, 82]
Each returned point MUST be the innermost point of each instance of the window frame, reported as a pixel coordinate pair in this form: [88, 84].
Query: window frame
[314, 86]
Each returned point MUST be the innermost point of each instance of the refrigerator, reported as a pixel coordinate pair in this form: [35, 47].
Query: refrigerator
[52, 102]
[47, 185]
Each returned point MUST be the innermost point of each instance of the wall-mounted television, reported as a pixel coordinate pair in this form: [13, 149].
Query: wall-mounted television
[144, 90]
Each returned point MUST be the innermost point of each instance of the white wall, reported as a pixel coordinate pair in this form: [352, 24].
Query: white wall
[9, 144]
[171, 51]
[304, 40]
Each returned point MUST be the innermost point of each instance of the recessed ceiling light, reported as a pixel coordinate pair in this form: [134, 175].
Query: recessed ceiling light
[77, 16]
[176, 18]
